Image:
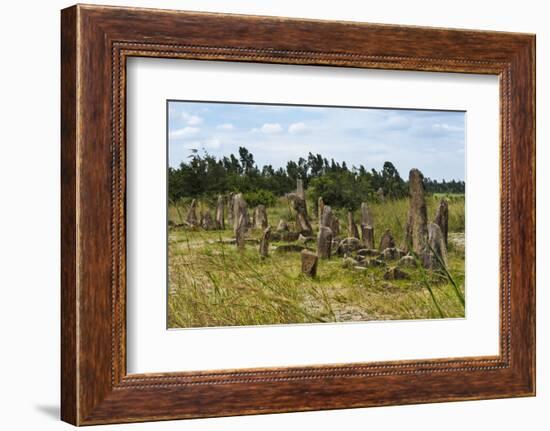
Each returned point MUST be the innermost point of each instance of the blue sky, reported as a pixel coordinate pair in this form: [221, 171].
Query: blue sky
[432, 141]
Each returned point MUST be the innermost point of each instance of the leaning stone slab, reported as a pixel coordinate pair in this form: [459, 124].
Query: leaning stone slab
[260, 217]
[309, 263]
[436, 258]
[302, 220]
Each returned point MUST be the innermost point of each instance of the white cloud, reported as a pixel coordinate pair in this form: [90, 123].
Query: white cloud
[269, 128]
[192, 120]
[298, 128]
[225, 126]
[185, 132]
[397, 122]
[446, 127]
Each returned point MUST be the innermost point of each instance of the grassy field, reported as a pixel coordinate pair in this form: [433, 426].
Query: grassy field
[211, 283]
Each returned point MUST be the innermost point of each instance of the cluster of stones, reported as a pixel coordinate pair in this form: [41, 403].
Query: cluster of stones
[425, 243]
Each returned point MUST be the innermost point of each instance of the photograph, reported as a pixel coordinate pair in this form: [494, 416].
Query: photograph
[298, 214]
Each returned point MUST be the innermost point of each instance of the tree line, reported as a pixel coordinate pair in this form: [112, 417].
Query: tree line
[206, 176]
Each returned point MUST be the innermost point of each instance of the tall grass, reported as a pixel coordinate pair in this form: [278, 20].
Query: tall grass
[211, 283]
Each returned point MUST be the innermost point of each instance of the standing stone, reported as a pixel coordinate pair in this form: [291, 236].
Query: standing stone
[335, 226]
[230, 210]
[264, 242]
[380, 194]
[367, 235]
[220, 220]
[206, 221]
[437, 257]
[300, 188]
[417, 219]
[302, 221]
[442, 219]
[309, 263]
[282, 226]
[191, 218]
[240, 231]
[324, 242]
[320, 208]
[326, 216]
[260, 217]
[353, 232]
[366, 217]
[386, 241]
[240, 216]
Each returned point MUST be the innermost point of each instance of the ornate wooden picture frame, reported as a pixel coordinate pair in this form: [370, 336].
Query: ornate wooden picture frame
[96, 41]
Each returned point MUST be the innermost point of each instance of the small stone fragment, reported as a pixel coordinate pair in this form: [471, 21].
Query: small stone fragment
[394, 273]
[282, 226]
[368, 252]
[392, 253]
[386, 241]
[349, 262]
[407, 262]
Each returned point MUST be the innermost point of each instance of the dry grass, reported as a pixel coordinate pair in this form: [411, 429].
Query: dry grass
[211, 283]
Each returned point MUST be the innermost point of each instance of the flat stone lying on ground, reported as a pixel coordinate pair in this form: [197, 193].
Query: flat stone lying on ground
[348, 245]
[290, 248]
[368, 252]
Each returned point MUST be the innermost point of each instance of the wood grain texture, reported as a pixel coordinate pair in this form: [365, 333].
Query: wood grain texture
[96, 41]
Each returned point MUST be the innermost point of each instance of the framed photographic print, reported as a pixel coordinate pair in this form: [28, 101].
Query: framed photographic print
[264, 214]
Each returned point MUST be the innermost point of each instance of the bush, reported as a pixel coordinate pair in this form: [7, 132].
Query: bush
[259, 197]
